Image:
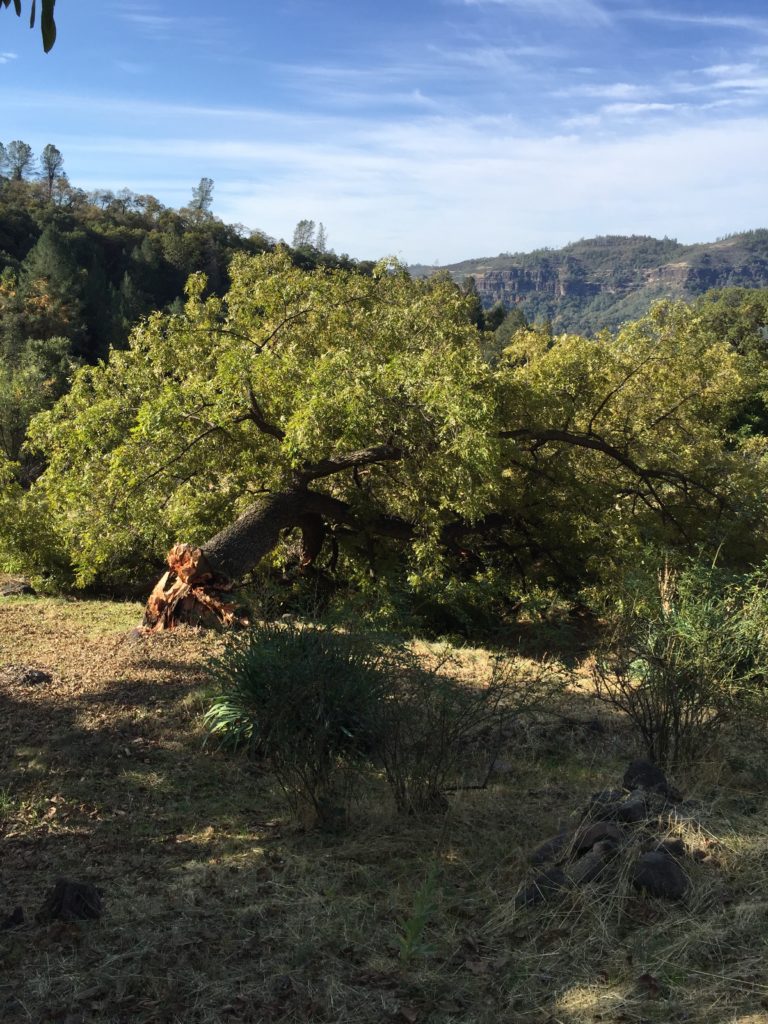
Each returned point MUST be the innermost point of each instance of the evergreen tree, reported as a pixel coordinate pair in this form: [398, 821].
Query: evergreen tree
[202, 196]
[20, 159]
[52, 289]
[304, 234]
[51, 163]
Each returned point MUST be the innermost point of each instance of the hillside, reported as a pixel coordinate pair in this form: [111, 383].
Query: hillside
[601, 282]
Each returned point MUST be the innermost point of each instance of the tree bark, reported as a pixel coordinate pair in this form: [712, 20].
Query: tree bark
[196, 586]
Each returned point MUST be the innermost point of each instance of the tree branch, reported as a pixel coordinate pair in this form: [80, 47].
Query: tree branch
[351, 460]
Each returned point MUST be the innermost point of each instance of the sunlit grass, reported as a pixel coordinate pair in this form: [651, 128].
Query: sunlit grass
[218, 908]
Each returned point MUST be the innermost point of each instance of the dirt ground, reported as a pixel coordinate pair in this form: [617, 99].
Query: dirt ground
[218, 908]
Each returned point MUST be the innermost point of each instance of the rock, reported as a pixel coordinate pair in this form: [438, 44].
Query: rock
[644, 775]
[634, 809]
[659, 874]
[674, 848]
[550, 849]
[17, 588]
[71, 901]
[25, 675]
[542, 887]
[597, 832]
[606, 797]
[13, 920]
[592, 864]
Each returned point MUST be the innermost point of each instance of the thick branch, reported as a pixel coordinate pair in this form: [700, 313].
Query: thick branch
[256, 415]
[351, 460]
[598, 444]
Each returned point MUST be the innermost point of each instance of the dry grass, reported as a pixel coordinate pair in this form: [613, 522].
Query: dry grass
[217, 909]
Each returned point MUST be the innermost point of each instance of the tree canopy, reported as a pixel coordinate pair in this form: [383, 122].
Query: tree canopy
[366, 404]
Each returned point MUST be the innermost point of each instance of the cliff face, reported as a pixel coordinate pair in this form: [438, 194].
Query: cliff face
[600, 282]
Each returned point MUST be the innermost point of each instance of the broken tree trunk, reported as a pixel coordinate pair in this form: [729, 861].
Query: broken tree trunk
[196, 587]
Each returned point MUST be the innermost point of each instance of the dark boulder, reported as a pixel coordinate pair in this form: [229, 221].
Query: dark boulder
[592, 865]
[644, 775]
[542, 887]
[550, 849]
[597, 832]
[658, 874]
[71, 901]
[634, 809]
[17, 588]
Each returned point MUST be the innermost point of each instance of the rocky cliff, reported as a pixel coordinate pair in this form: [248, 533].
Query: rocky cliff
[600, 282]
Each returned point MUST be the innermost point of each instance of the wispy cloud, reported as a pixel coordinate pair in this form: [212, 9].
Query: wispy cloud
[154, 21]
[561, 10]
[745, 23]
[6, 58]
[636, 109]
[130, 68]
[145, 16]
[433, 186]
[609, 91]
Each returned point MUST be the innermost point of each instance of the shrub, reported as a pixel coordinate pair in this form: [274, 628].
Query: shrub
[432, 721]
[321, 705]
[686, 659]
[302, 697]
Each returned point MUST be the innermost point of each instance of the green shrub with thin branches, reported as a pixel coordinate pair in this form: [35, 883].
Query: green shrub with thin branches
[687, 658]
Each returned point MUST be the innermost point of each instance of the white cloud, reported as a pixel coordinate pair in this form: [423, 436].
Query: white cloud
[130, 68]
[446, 187]
[728, 70]
[614, 90]
[740, 22]
[633, 109]
[585, 11]
[6, 58]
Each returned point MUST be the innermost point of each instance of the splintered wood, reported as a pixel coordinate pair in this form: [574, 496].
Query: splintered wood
[190, 593]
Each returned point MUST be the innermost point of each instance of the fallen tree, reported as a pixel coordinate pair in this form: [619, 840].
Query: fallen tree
[332, 405]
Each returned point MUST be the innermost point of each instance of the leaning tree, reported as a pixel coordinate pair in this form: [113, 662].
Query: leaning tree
[331, 405]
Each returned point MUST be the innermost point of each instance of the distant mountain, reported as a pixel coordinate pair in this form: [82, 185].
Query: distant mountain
[601, 282]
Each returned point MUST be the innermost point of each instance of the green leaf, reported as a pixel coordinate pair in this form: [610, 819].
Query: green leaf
[48, 25]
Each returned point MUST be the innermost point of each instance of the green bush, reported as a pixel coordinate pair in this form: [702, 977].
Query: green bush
[433, 725]
[301, 697]
[321, 704]
[686, 658]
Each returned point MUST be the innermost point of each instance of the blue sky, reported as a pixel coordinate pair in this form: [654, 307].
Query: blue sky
[434, 130]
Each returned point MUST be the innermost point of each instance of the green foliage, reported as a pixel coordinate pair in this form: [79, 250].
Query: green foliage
[430, 718]
[410, 938]
[687, 658]
[29, 383]
[660, 397]
[303, 698]
[550, 465]
[47, 22]
[167, 445]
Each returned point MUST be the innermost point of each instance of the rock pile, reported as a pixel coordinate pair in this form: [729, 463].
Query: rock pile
[17, 588]
[24, 675]
[621, 833]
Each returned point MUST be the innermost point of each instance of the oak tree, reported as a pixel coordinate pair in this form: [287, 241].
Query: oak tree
[360, 411]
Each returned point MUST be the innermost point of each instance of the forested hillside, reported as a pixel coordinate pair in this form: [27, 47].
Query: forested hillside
[603, 282]
[78, 269]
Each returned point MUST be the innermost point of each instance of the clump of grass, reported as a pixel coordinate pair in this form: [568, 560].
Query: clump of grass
[410, 939]
[301, 697]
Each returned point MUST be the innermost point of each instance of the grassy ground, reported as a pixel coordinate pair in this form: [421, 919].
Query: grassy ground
[219, 909]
